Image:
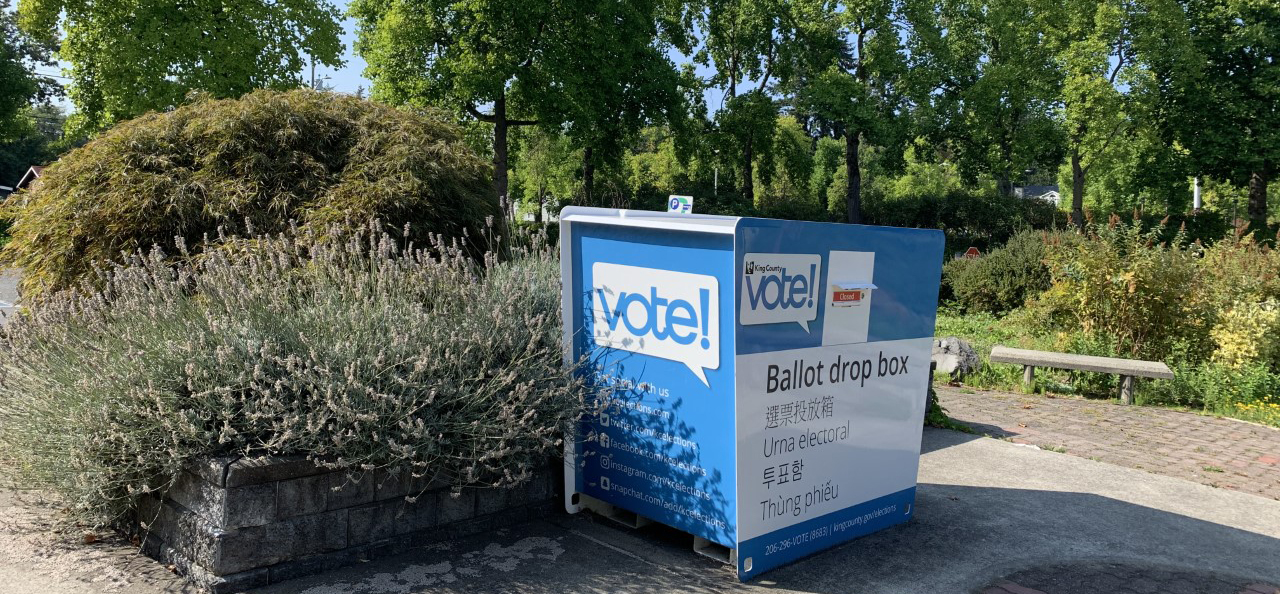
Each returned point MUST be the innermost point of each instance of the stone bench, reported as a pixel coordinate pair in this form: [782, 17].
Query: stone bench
[1127, 369]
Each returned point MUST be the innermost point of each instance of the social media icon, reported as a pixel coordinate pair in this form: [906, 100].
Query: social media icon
[605, 483]
[604, 440]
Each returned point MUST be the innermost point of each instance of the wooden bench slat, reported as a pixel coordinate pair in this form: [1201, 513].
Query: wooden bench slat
[1133, 367]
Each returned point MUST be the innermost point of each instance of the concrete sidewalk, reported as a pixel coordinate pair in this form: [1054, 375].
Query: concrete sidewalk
[8, 293]
[987, 511]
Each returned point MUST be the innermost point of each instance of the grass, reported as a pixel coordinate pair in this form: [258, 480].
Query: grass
[983, 331]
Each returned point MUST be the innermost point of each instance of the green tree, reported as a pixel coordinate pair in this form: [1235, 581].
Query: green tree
[1094, 49]
[470, 57]
[597, 69]
[744, 41]
[19, 54]
[1225, 92]
[33, 137]
[986, 86]
[1109, 94]
[544, 169]
[616, 77]
[745, 127]
[129, 57]
[861, 91]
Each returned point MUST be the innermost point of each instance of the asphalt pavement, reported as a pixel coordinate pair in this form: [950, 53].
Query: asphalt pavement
[992, 516]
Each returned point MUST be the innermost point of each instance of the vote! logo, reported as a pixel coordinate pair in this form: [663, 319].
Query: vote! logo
[779, 288]
[661, 313]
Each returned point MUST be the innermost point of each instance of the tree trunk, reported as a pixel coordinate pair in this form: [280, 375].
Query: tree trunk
[500, 152]
[1258, 198]
[542, 201]
[853, 190]
[588, 177]
[1077, 190]
[748, 184]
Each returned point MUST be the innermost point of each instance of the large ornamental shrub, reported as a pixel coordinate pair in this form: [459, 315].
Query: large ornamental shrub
[341, 346]
[1001, 280]
[260, 161]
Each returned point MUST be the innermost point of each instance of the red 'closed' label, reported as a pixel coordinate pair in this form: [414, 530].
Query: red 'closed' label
[842, 296]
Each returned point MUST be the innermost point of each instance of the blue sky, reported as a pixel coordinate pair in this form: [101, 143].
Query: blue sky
[349, 77]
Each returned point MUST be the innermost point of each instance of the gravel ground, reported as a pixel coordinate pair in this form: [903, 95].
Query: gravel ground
[35, 559]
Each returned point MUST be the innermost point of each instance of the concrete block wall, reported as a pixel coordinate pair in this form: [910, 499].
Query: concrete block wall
[231, 525]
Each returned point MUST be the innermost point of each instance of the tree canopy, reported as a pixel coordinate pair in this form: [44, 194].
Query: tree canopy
[130, 57]
[792, 108]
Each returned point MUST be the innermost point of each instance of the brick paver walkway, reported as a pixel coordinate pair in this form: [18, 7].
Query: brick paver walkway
[1114, 577]
[1218, 452]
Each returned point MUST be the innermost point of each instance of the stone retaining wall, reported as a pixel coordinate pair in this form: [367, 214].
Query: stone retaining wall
[230, 525]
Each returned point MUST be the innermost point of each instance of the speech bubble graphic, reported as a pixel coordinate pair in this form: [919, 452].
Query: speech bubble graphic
[661, 313]
[779, 288]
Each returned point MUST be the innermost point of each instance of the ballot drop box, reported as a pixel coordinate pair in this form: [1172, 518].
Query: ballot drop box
[760, 384]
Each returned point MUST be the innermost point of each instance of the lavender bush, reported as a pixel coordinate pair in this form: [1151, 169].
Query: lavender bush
[348, 349]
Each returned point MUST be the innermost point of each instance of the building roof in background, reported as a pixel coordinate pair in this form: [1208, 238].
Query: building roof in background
[1034, 191]
[31, 175]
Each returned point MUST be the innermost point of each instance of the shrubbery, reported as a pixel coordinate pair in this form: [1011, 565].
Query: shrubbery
[341, 346]
[970, 217]
[1124, 284]
[1003, 279]
[263, 160]
[1212, 313]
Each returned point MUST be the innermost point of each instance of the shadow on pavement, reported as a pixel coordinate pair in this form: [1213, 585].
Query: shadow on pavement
[961, 539]
[945, 438]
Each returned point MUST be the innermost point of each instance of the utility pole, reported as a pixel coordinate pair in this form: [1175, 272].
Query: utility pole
[715, 187]
[1195, 196]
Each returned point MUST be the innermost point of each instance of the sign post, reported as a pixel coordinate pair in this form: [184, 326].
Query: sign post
[763, 381]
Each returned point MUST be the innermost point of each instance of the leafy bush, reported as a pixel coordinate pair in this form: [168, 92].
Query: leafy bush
[1124, 284]
[1003, 279]
[6, 222]
[1250, 391]
[347, 349]
[1248, 333]
[260, 161]
[1241, 269]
